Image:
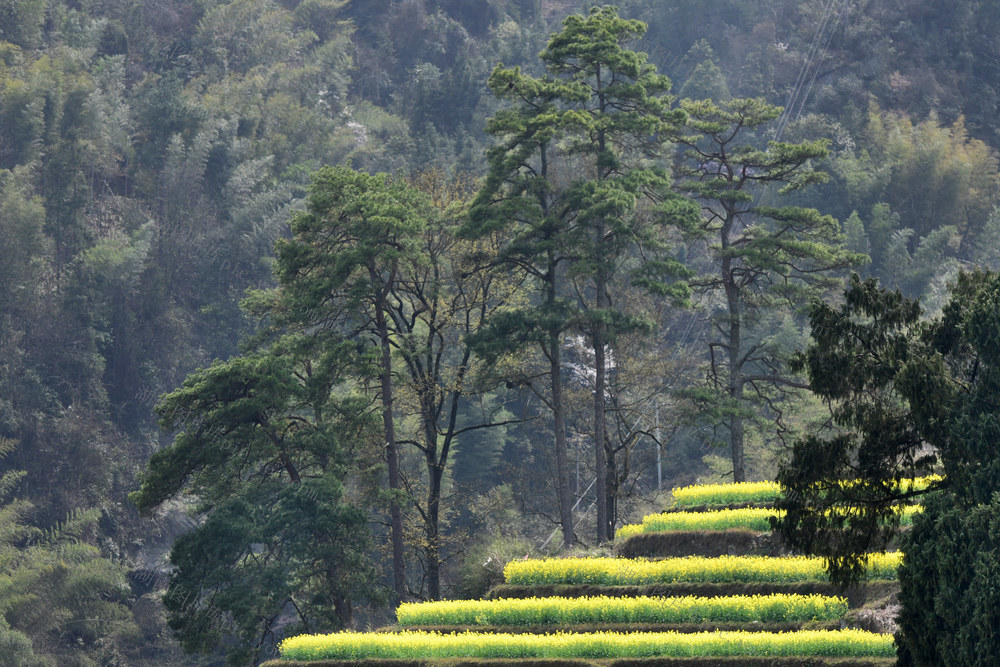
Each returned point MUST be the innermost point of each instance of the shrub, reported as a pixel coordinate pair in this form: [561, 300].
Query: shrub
[482, 567]
[948, 587]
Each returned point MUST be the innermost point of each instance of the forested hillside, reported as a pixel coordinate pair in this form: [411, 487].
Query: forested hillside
[289, 278]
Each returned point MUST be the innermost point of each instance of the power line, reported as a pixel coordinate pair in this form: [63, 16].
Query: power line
[819, 63]
[804, 71]
[575, 505]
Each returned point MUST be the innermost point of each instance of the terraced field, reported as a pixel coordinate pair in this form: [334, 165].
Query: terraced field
[663, 600]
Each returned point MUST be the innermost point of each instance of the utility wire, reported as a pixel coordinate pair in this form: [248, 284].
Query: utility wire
[804, 72]
[819, 63]
[575, 505]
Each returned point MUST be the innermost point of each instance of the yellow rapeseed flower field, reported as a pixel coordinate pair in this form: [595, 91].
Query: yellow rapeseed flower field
[423, 645]
[756, 492]
[604, 609]
[722, 494]
[750, 518]
[721, 569]
[558, 611]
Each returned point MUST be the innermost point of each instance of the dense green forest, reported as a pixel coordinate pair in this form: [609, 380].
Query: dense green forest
[309, 306]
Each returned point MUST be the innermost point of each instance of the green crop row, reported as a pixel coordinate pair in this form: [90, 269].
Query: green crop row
[722, 569]
[602, 609]
[750, 518]
[424, 645]
[755, 492]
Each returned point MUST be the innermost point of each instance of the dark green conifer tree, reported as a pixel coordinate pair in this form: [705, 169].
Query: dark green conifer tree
[567, 177]
[765, 258]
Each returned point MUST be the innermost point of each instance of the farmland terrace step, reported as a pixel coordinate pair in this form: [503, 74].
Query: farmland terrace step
[714, 507]
[856, 596]
[711, 543]
[578, 628]
[620, 662]
[673, 543]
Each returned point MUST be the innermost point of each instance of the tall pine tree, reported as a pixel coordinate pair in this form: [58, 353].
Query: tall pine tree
[764, 258]
[567, 175]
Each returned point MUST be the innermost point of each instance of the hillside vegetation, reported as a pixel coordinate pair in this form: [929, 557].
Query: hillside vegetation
[313, 307]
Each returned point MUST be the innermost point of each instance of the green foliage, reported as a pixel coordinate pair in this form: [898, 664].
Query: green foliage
[21, 219]
[445, 293]
[237, 37]
[948, 595]
[571, 186]
[16, 646]
[261, 442]
[340, 271]
[264, 437]
[706, 81]
[930, 190]
[951, 553]
[243, 564]
[60, 599]
[859, 351]
[21, 22]
[908, 395]
[150, 153]
[765, 258]
[322, 17]
[356, 226]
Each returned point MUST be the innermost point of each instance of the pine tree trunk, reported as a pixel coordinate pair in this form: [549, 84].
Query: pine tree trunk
[559, 422]
[435, 472]
[600, 384]
[735, 372]
[562, 467]
[392, 453]
[603, 522]
[735, 368]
